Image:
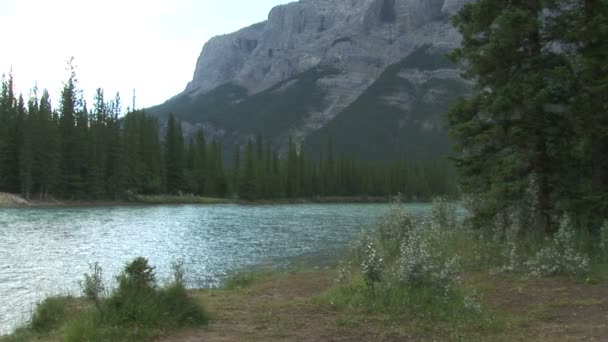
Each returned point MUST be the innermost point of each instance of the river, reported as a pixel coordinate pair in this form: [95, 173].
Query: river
[46, 251]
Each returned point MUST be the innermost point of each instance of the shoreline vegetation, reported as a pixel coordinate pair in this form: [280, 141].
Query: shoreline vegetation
[433, 278]
[16, 201]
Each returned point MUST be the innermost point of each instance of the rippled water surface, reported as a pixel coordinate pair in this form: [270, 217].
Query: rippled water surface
[45, 251]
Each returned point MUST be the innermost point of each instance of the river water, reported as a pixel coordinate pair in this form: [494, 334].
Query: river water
[46, 251]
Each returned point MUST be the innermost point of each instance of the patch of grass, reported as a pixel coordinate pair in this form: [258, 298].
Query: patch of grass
[350, 320]
[241, 280]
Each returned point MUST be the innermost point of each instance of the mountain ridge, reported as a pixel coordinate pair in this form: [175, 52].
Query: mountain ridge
[357, 40]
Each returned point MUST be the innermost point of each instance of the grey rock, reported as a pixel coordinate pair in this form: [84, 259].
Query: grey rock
[360, 38]
[352, 35]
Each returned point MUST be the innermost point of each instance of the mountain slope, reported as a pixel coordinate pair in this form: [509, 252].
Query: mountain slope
[369, 74]
[401, 113]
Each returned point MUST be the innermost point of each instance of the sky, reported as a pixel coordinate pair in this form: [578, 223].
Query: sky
[118, 45]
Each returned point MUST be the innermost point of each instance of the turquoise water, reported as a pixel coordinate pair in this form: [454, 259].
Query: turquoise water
[46, 251]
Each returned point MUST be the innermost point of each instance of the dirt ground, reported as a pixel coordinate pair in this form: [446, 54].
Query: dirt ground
[284, 308]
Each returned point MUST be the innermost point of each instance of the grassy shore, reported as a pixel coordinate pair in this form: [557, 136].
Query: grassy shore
[292, 306]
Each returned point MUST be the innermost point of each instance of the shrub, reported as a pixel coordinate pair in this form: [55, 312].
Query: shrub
[443, 214]
[344, 273]
[372, 265]
[560, 256]
[403, 265]
[50, 313]
[137, 273]
[179, 272]
[138, 309]
[393, 227]
[511, 250]
[420, 265]
[92, 285]
[415, 264]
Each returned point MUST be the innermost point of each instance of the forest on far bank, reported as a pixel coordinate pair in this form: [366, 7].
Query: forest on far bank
[73, 152]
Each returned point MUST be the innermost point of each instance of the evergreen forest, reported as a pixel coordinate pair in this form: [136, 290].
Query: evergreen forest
[99, 153]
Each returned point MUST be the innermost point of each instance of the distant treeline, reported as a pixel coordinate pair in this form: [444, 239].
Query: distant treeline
[74, 152]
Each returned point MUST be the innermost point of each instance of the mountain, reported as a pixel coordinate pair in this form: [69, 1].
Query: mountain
[369, 77]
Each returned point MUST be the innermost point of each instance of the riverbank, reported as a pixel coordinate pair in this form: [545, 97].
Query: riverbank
[293, 306]
[16, 201]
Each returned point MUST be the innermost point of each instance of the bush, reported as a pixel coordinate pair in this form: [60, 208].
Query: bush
[443, 214]
[344, 273]
[137, 274]
[418, 266]
[139, 301]
[560, 256]
[92, 285]
[372, 265]
[138, 309]
[50, 314]
[403, 267]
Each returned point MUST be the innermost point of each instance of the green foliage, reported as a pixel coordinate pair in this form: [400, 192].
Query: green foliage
[92, 285]
[537, 114]
[404, 269]
[100, 154]
[138, 309]
[50, 314]
[560, 256]
[421, 303]
[174, 156]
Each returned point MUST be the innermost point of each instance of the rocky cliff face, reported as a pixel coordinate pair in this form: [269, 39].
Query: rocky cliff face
[360, 37]
[356, 39]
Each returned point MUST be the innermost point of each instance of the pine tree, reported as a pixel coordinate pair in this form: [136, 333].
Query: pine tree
[71, 182]
[505, 133]
[11, 135]
[27, 152]
[248, 184]
[236, 169]
[583, 26]
[292, 180]
[174, 155]
[115, 170]
[47, 146]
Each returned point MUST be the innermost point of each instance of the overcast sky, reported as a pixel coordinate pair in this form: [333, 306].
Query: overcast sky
[118, 45]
